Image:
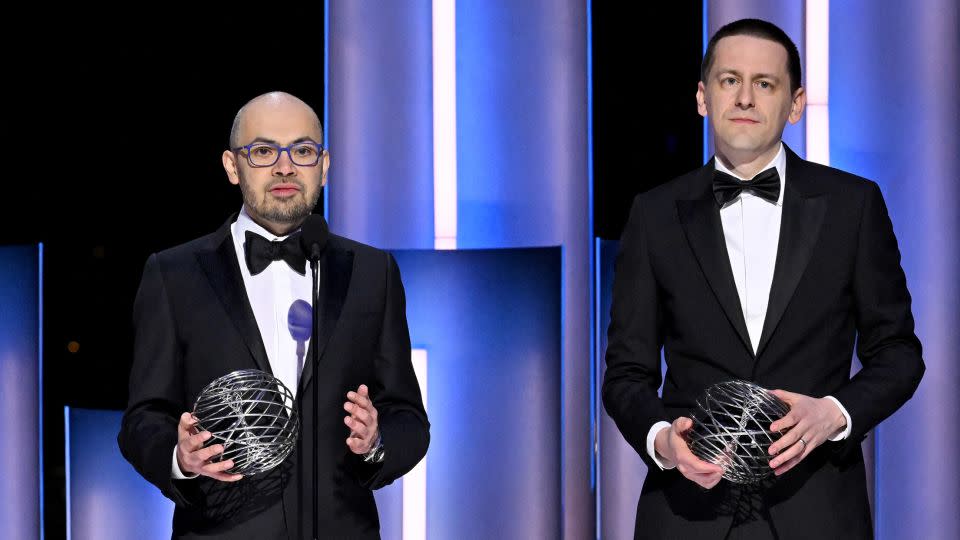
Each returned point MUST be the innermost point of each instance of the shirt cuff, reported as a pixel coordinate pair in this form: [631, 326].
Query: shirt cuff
[651, 438]
[175, 471]
[846, 432]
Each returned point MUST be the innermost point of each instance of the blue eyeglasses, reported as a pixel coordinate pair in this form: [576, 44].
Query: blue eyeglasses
[261, 154]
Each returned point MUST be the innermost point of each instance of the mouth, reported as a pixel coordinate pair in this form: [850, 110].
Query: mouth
[744, 121]
[284, 190]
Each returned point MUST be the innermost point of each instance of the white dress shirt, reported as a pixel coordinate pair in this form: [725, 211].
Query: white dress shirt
[271, 294]
[751, 231]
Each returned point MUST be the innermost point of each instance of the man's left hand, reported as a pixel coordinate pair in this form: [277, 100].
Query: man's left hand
[362, 421]
[811, 421]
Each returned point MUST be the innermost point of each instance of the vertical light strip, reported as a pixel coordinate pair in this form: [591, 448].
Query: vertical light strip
[444, 125]
[66, 465]
[594, 417]
[415, 481]
[326, 99]
[818, 80]
[705, 39]
[40, 378]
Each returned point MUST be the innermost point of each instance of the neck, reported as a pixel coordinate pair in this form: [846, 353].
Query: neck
[746, 164]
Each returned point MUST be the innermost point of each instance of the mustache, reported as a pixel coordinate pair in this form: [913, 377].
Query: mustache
[295, 182]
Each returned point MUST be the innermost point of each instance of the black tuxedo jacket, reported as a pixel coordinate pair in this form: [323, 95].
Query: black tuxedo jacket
[837, 282]
[194, 323]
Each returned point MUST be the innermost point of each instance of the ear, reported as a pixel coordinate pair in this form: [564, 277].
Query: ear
[701, 99]
[798, 105]
[230, 166]
[326, 166]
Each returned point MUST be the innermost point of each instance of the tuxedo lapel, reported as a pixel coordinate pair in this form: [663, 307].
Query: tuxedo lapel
[223, 271]
[700, 219]
[336, 269]
[803, 213]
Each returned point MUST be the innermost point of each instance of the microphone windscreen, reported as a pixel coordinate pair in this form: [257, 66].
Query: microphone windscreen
[314, 234]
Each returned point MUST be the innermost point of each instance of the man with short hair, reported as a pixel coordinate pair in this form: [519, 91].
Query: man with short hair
[763, 267]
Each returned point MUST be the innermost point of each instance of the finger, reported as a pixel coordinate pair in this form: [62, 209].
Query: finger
[186, 426]
[205, 454]
[790, 438]
[359, 430]
[187, 420]
[712, 481]
[225, 477]
[363, 415]
[194, 442]
[359, 399]
[706, 481]
[787, 466]
[691, 464]
[703, 478]
[787, 397]
[790, 452]
[217, 471]
[690, 461]
[789, 420]
[794, 461]
[216, 467]
[682, 424]
[364, 391]
[357, 446]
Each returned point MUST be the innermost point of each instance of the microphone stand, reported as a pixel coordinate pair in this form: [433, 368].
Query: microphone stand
[313, 240]
[315, 359]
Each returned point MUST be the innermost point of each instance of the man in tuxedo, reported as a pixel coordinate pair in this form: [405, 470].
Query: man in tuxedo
[221, 303]
[759, 266]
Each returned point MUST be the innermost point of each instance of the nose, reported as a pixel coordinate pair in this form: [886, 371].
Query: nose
[284, 165]
[745, 96]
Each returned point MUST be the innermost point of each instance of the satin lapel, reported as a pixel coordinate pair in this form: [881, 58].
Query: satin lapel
[803, 215]
[223, 272]
[700, 219]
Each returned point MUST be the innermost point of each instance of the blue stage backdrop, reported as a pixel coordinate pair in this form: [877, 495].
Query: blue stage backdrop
[895, 118]
[522, 168]
[21, 458]
[106, 497]
[380, 125]
[490, 323]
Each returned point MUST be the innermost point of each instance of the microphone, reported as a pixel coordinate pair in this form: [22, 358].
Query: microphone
[314, 234]
[299, 322]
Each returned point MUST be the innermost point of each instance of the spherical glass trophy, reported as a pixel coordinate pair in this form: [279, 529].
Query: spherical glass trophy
[732, 429]
[252, 414]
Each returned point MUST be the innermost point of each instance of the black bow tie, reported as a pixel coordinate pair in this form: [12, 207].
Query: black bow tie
[260, 252]
[765, 185]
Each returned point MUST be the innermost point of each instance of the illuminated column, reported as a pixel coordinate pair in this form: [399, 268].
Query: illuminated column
[21, 448]
[894, 114]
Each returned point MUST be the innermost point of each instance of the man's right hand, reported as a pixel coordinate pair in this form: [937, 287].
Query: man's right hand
[193, 458]
[671, 447]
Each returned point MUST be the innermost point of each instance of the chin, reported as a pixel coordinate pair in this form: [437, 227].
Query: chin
[746, 144]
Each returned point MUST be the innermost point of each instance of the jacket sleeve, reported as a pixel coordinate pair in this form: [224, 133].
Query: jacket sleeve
[634, 339]
[148, 431]
[887, 346]
[403, 422]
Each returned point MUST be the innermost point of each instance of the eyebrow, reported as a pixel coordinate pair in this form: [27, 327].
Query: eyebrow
[272, 141]
[755, 77]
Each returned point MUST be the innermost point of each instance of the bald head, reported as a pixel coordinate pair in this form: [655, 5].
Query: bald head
[271, 103]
